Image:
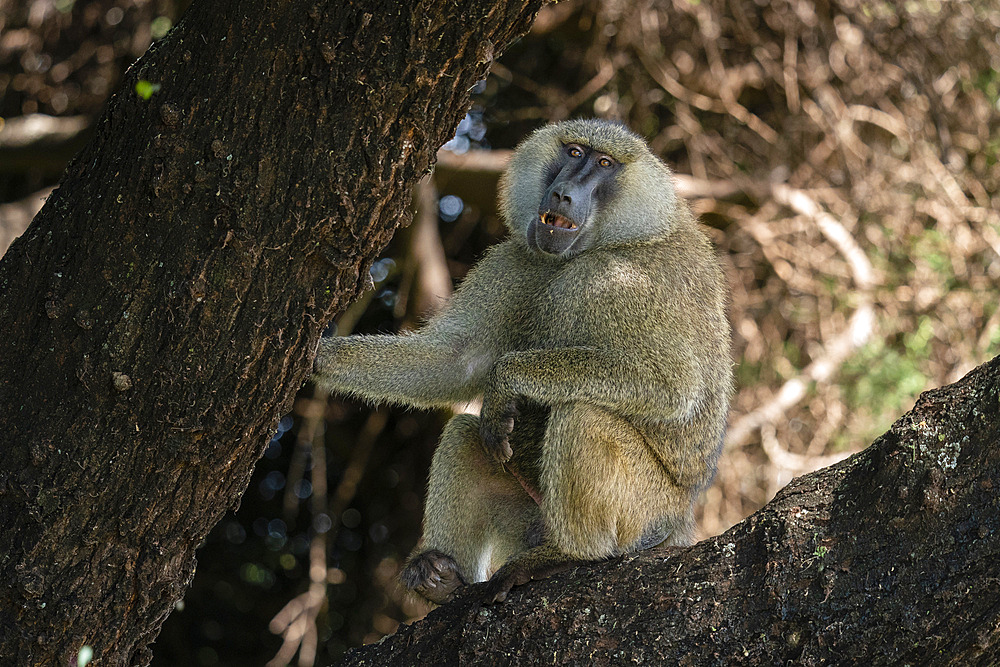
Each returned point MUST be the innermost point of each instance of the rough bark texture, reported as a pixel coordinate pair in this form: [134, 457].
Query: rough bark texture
[888, 558]
[163, 307]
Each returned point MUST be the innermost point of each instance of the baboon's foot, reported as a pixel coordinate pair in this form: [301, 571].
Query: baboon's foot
[432, 574]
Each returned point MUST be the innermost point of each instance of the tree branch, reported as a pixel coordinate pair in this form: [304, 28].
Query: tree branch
[887, 557]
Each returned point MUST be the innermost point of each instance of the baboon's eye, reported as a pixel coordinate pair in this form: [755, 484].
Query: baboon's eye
[605, 162]
[574, 150]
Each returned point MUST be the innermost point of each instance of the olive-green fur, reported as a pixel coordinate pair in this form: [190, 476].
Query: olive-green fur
[617, 359]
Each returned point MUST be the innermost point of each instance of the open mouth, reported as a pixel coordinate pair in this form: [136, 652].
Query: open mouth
[555, 220]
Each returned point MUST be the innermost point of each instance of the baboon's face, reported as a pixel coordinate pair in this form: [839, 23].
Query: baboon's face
[578, 183]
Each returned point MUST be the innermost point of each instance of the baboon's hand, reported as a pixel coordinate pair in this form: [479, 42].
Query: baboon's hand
[495, 426]
[531, 565]
[505, 579]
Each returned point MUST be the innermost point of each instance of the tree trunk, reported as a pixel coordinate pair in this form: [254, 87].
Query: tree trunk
[887, 558]
[163, 307]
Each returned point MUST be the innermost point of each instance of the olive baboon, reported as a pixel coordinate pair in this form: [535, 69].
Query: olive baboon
[596, 336]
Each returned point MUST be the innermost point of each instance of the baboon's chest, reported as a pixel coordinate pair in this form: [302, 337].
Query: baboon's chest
[583, 305]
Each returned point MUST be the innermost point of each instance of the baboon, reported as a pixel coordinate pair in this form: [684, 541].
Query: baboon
[596, 337]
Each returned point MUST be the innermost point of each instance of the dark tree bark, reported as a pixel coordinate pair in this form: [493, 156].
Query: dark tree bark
[164, 306]
[887, 558]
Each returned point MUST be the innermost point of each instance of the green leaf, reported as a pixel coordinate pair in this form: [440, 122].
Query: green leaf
[145, 89]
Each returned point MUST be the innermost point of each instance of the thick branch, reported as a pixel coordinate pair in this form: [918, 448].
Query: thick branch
[15, 216]
[888, 557]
